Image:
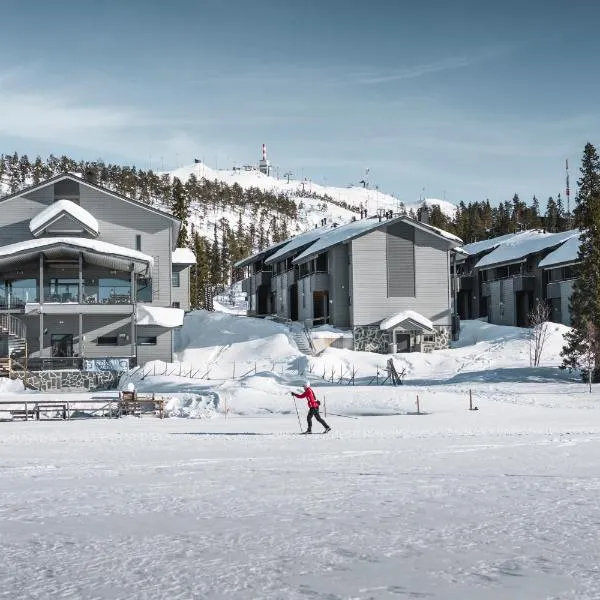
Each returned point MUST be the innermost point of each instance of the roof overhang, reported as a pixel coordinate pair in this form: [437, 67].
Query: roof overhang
[102, 254]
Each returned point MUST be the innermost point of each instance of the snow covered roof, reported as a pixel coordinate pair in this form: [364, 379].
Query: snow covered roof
[564, 254]
[344, 233]
[486, 245]
[297, 242]
[158, 315]
[183, 256]
[259, 255]
[522, 245]
[409, 320]
[111, 252]
[60, 209]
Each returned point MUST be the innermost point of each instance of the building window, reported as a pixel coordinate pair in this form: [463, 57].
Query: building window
[176, 305]
[138, 242]
[429, 339]
[146, 340]
[175, 279]
[107, 340]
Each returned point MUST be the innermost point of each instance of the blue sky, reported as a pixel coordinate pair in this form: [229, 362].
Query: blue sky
[459, 99]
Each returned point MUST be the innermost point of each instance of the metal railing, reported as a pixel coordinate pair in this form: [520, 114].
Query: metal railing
[12, 326]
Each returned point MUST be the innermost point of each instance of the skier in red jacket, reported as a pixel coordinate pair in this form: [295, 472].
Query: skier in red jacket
[313, 408]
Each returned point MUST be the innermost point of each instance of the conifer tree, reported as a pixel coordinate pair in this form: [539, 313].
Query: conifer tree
[585, 298]
[179, 208]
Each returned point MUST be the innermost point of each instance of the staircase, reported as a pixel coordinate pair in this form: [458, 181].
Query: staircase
[14, 332]
[303, 341]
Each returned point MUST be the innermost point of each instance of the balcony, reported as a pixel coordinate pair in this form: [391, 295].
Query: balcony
[524, 283]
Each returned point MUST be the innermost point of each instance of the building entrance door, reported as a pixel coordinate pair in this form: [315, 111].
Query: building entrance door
[61, 344]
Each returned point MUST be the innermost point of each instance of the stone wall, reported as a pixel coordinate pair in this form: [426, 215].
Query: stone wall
[370, 338]
[51, 381]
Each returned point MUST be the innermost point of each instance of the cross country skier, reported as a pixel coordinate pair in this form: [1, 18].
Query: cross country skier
[313, 408]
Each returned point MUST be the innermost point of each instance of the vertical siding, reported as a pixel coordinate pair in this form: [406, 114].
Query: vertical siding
[181, 294]
[566, 289]
[16, 213]
[305, 303]
[370, 301]
[120, 222]
[339, 286]
[162, 350]
[400, 260]
[502, 291]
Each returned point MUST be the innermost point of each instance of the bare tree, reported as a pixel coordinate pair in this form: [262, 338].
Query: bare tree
[539, 333]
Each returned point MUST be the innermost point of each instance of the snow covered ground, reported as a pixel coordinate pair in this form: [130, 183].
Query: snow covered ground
[495, 503]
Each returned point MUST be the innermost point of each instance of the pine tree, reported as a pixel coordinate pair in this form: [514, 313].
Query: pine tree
[180, 210]
[585, 298]
[551, 215]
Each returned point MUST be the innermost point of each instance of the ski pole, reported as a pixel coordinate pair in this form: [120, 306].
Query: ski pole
[345, 416]
[297, 413]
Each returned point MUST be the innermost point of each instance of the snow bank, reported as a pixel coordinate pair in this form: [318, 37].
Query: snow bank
[11, 386]
[158, 315]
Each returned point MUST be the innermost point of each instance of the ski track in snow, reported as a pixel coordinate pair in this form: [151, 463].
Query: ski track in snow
[239, 508]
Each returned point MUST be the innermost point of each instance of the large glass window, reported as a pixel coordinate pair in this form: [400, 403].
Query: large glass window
[18, 292]
[175, 279]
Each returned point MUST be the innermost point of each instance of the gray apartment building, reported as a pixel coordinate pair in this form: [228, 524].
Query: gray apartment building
[386, 279]
[89, 279]
[503, 278]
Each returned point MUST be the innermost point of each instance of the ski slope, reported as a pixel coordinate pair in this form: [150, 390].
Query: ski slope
[310, 210]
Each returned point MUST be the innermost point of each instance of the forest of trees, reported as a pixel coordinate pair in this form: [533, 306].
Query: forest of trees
[240, 221]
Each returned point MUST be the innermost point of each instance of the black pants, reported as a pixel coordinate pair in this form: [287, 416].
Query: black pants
[314, 412]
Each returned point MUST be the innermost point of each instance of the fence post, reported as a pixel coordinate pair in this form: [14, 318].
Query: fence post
[418, 406]
[255, 367]
[234, 369]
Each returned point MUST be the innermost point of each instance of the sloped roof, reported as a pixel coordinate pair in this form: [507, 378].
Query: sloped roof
[354, 229]
[259, 255]
[524, 244]
[59, 209]
[486, 245]
[183, 256]
[15, 252]
[297, 242]
[566, 253]
[408, 320]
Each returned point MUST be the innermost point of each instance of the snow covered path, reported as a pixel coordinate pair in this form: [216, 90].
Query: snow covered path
[450, 505]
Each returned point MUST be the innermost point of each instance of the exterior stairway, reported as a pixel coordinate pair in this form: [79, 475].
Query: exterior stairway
[303, 341]
[14, 336]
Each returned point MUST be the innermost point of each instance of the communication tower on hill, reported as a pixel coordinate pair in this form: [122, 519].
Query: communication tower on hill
[264, 166]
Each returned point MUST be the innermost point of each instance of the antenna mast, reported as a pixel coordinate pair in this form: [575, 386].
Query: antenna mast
[568, 194]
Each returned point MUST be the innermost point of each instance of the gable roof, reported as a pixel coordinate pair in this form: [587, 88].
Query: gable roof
[360, 227]
[524, 244]
[176, 223]
[58, 210]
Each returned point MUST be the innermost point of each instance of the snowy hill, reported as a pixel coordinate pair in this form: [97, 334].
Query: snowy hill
[249, 365]
[311, 210]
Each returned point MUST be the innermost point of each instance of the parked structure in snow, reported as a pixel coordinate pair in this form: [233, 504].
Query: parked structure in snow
[360, 276]
[89, 279]
[503, 278]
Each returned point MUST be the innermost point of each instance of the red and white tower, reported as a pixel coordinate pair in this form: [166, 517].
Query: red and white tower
[264, 166]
